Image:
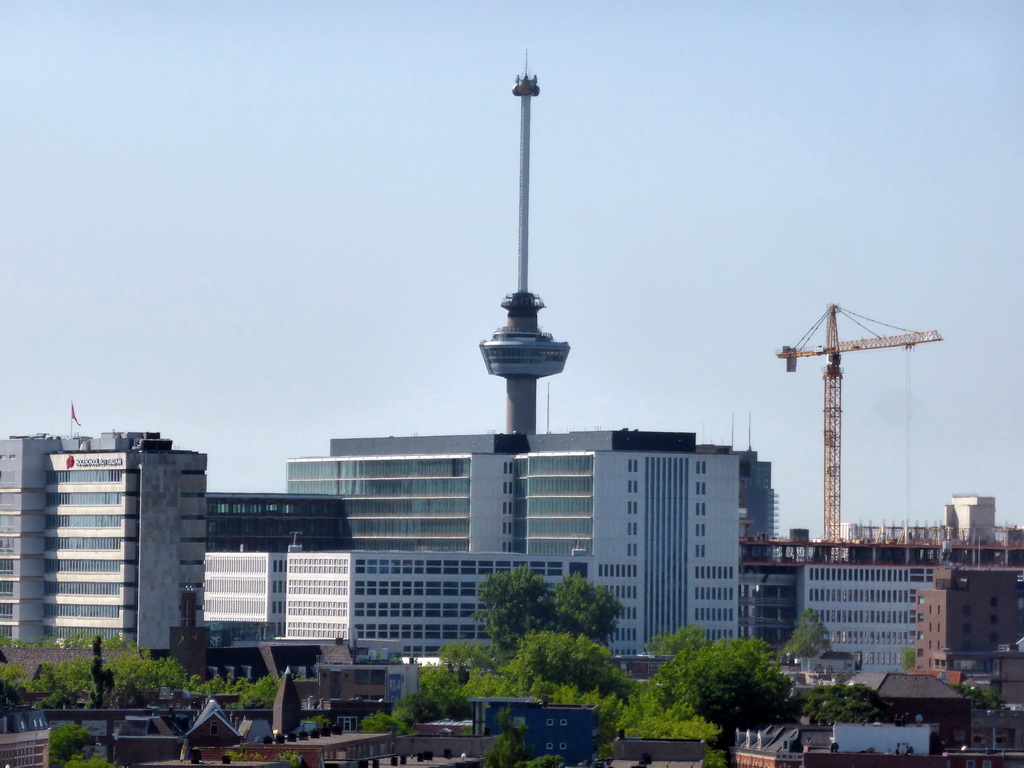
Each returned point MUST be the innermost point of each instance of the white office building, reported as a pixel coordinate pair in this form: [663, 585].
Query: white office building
[98, 536]
[658, 515]
[868, 610]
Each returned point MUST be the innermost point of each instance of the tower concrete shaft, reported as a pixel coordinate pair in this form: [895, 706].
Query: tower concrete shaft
[519, 351]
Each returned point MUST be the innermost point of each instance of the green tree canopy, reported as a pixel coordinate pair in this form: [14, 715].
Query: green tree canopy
[730, 683]
[515, 603]
[89, 762]
[440, 695]
[810, 636]
[381, 722]
[520, 602]
[67, 742]
[982, 697]
[584, 608]
[908, 659]
[509, 748]
[551, 659]
[463, 658]
[688, 637]
[831, 704]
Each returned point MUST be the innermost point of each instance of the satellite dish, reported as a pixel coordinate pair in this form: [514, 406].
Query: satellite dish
[918, 719]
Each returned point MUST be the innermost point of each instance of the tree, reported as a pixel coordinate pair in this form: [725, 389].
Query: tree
[102, 679]
[68, 742]
[94, 761]
[730, 683]
[584, 608]
[831, 704]
[550, 659]
[70, 676]
[654, 713]
[908, 659]
[544, 761]
[381, 722]
[688, 637]
[463, 658]
[509, 748]
[810, 636]
[515, 603]
[982, 697]
[440, 695]
[135, 672]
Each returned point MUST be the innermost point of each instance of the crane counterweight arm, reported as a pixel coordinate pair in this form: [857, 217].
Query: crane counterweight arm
[875, 342]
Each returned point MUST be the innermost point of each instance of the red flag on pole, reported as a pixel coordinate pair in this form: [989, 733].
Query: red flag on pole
[73, 417]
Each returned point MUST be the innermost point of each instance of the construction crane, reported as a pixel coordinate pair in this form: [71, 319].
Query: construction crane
[833, 378]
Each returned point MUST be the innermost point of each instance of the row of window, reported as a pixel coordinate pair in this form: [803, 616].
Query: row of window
[872, 636]
[847, 615]
[419, 632]
[247, 606]
[325, 565]
[415, 610]
[241, 585]
[714, 593]
[860, 595]
[84, 542]
[870, 574]
[464, 567]
[713, 572]
[713, 614]
[82, 588]
[313, 587]
[464, 588]
[82, 499]
[616, 570]
[84, 476]
[84, 521]
[576, 464]
[55, 610]
[329, 469]
[54, 565]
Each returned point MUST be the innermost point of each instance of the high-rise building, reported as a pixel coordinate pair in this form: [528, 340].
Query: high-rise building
[519, 351]
[660, 519]
[98, 536]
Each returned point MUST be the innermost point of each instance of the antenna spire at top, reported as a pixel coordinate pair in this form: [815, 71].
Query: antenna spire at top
[526, 63]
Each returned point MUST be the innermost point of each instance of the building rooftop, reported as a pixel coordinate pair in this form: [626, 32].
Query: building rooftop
[600, 440]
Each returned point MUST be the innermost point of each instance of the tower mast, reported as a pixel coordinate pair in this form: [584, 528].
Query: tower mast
[519, 351]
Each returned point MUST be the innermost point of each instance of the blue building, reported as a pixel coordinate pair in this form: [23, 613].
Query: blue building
[551, 729]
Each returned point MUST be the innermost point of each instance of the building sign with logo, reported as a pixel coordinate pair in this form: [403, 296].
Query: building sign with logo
[93, 462]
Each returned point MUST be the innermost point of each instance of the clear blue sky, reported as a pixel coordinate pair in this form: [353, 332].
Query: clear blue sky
[255, 226]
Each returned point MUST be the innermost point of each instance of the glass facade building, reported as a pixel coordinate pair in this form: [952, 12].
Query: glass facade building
[413, 504]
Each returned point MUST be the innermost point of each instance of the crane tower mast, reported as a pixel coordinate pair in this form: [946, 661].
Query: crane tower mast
[833, 410]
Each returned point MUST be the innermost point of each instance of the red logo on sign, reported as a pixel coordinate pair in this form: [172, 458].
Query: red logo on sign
[70, 462]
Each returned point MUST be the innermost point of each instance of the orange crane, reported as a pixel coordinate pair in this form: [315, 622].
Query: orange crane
[833, 378]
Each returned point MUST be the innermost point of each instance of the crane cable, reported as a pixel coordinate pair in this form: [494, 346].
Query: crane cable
[909, 351]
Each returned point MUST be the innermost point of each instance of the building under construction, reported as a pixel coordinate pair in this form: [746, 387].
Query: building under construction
[864, 585]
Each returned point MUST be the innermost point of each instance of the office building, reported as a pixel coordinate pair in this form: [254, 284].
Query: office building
[271, 522]
[388, 602]
[660, 519]
[98, 536]
[967, 617]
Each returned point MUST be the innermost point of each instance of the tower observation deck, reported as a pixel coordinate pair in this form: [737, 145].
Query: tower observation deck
[519, 351]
